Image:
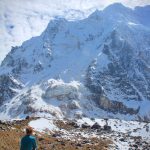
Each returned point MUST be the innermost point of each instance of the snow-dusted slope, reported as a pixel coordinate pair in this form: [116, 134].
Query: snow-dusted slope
[124, 134]
[95, 67]
[23, 19]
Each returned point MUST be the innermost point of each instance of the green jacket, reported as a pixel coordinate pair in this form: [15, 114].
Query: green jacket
[28, 142]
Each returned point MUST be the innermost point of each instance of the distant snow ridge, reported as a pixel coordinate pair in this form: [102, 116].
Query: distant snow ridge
[96, 67]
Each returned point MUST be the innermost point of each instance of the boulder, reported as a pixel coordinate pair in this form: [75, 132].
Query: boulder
[56, 135]
[27, 117]
[41, 139]
[122, 140]
[136, 146]
[74, 124]
[107, 128]
[85, 126]
[79, 145]
[96, 126]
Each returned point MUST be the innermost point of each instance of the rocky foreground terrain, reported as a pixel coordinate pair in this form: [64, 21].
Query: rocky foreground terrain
[84, 134]
[11, 132]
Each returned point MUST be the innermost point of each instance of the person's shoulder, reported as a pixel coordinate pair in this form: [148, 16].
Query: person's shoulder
[23, 138]
[32, 137]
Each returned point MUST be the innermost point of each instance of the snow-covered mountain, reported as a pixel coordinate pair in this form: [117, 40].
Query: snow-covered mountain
[95, 67]
[22, 19]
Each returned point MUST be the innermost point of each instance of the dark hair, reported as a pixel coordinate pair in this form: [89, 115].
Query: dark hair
[29, 130]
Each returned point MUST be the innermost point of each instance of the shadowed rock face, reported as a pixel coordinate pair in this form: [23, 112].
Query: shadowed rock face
[116, 107]
[8, 84]
[126, 72]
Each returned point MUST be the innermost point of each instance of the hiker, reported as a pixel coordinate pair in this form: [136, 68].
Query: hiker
[28, 142]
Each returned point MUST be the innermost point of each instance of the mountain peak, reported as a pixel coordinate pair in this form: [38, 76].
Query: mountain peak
[96, 14]
[143, 14]
[147, 7]
[117, 7]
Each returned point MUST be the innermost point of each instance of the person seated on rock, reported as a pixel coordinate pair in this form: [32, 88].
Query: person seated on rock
[28, 142]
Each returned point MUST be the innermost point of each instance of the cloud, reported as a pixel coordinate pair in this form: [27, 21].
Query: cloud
[22, 19]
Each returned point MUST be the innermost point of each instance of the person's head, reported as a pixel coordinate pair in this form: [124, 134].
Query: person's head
[29, 130]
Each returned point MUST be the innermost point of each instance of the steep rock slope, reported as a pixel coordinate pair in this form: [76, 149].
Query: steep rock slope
[97, 67]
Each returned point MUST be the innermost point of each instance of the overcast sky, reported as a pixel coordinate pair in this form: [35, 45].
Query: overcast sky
[22, 19]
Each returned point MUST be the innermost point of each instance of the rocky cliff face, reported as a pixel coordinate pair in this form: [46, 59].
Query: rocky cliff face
[125, 77]
[8, 87]
[88, 67]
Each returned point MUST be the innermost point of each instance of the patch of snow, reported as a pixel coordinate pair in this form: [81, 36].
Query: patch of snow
[42, 125]
[133, 128]
[132, 24]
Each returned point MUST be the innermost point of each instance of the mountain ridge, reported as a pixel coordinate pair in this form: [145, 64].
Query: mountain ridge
[77, 67]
